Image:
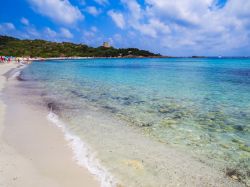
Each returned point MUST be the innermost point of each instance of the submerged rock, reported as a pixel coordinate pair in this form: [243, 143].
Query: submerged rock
[244, 148]
[111, 109]
[240, 171]
[239, 127]
[20, 78]
[135, 164]
[237, 141]
[78, 94]
[233, 173]
[168, 122]
[53, 106]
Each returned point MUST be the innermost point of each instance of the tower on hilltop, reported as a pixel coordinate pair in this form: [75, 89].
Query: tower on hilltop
[106, 45]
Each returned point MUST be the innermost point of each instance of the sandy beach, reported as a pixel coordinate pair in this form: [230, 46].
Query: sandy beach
[34, 154]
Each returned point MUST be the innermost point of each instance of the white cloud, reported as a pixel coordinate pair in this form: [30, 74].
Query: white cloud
[49, 33]
[90, 37]
[32, 32]
[60, 35]
[27, 32]
[117, 38]
[65, 33]
[60, 11]
[191, 25]
[151, 26]
[118, 18]
[93, 10]
[25, 21]
[186, 11]
[6, 28]
[134, 9]
[94, 29]
[91, 33]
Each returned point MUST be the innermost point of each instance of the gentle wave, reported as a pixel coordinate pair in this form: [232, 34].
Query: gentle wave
[83, 154]
[15, 73]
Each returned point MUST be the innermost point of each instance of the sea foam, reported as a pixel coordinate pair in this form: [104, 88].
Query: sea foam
[83, 154]
[15, 72]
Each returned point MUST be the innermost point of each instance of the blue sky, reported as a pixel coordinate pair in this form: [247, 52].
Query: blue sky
[180, 27]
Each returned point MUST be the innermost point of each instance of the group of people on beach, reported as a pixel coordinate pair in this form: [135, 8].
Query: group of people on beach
[19, 60]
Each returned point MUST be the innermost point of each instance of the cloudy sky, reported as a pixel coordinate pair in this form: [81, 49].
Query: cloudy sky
[169, 27]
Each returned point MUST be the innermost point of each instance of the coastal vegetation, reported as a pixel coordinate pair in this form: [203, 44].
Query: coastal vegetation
[10, 46]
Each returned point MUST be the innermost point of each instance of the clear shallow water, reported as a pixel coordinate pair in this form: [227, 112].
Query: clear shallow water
[199, 105]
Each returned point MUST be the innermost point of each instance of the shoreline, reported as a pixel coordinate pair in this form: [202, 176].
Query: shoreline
[127, 57]
[34, 154]
[83, 154]
[134, 57]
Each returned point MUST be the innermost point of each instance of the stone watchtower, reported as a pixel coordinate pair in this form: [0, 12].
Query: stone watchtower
[106, 45]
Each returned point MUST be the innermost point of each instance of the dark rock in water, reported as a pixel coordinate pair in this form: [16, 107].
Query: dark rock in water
[178, 116]
[43, 94]
[78, 94]
[127, 103]
[116, 98]
[244, 148]
[104, 95]
[129, 100]
[93, 100]
[242, 114]
[19, 78]
[139, 102]
[125, 98]
[154, 99]
[233, 173]
[53, 106]
[146, 124]
[239, 127]
[111, 109]
[240, 171]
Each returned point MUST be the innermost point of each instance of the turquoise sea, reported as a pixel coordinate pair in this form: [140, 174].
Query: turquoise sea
[198, 106]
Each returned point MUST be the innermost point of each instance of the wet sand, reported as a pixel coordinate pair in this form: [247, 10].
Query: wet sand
[33, 151]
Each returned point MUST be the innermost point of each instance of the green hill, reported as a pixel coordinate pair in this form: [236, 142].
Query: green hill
[10, 46]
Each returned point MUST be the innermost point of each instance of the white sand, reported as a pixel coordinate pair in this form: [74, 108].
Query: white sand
[33, 152]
